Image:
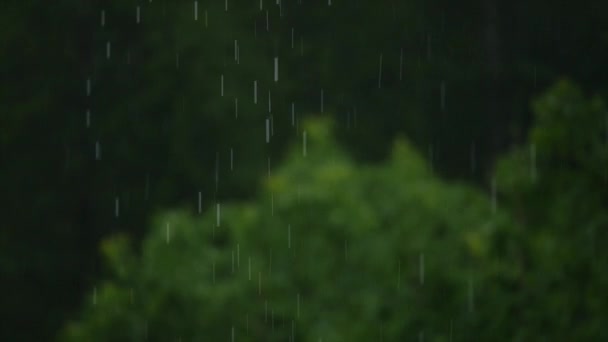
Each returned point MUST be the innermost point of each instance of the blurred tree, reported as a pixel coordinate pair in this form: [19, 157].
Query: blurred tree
[331, 250]
[557, 187]
[328, 251]
[455, 77]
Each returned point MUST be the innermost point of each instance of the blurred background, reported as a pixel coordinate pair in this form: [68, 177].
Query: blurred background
[303, 170]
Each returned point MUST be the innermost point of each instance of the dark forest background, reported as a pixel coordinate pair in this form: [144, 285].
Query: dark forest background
[424, 123]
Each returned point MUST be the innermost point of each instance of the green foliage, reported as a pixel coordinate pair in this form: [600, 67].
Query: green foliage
[329, 250]
[336, 249]
[166, 133]
[557, 188]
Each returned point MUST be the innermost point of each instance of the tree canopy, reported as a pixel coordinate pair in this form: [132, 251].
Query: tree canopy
[113, 112]
[328, 250]
[333, 250]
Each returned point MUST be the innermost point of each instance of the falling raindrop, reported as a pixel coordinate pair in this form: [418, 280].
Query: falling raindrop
[217, 170]
[222, 85]
[298, 306]
[304, 144]
[88, 118]
[269, 103]
[267, 22]
[401, 65]
[380, 73]
[270, 261]
[533, 162]
[267, 131]
[206, 20]
[322, 100]
[196, 10]
[249, 266]
[236, 49]
[276, 69]
[399, 275]
[226, 5]
[443, 96]
[137, 15]
[116, 207]
[431, 157]
[231, 159]
[97, 151]
[451, 329]
[200, 202]
[259, 283]
[217, 211]
[108, 50]
[293, 114]
[421, 268]
[471, 296]
[232, 334]
[493, 195]
[168, 232]
[255, 92]
[606, 134]
[103, 18]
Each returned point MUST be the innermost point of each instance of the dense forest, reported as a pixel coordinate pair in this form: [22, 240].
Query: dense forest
[303, 171]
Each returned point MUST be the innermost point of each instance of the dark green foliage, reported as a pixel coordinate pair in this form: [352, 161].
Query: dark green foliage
[346, 240]
[166, 133]
[557, 187]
